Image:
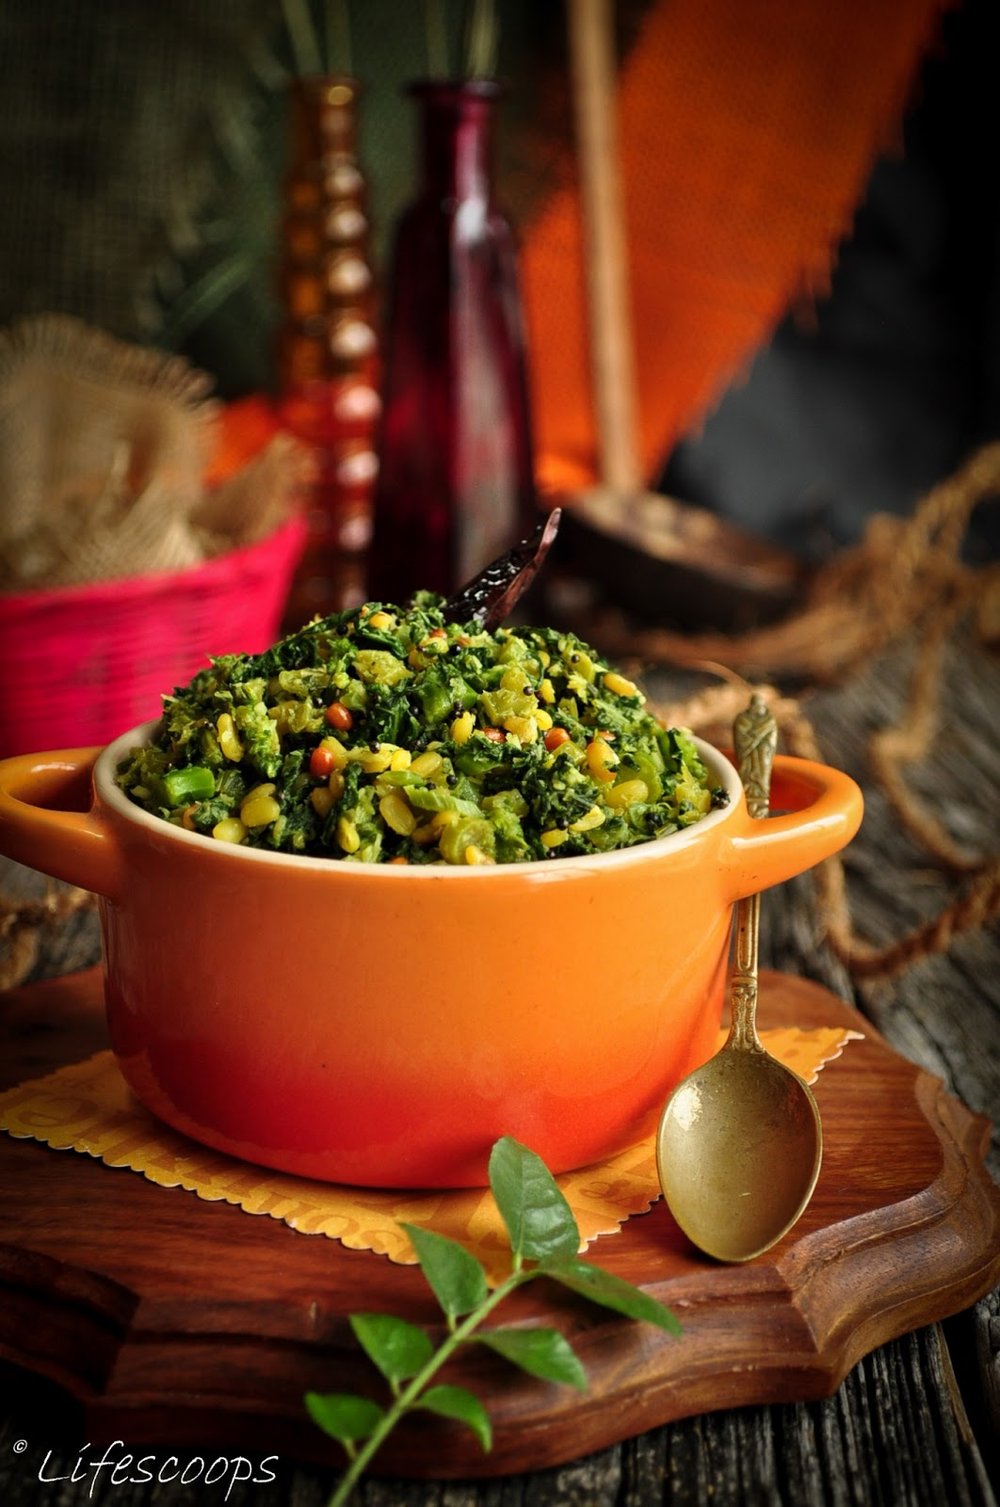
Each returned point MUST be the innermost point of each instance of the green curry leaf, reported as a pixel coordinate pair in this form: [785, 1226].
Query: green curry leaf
[542, 1231]
[456, 1278]
[539, 1220]
[343, 1416]
[611, 1292]
[457, 1403]
[542, 1352]
[398, 1348]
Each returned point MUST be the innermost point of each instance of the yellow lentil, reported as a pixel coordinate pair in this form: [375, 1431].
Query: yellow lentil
[321, 800]
[426, 764]
[336, 750]
[230, 829]
[347, 835]
[619, 686]
[601, 759]
[627, 794]
[374, 760]
[525, 728]
[260, 812]
[256, 790]
[397, 814]
[229, 741]
[588, 821]
[475, 856]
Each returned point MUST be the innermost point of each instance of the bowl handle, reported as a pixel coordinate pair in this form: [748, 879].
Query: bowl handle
[36, 830]
[821, 810]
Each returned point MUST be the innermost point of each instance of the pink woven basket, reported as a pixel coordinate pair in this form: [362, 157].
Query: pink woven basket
[81, 664]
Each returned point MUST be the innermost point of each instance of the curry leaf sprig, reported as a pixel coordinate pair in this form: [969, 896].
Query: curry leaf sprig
[544, 1241]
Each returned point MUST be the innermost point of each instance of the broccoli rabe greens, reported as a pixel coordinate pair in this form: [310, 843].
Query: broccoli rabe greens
[379, 735]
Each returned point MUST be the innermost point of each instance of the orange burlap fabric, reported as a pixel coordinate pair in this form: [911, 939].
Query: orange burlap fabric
[747, 132]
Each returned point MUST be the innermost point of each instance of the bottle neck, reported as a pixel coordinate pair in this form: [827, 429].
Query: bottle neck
[323, 117]
[457, 138]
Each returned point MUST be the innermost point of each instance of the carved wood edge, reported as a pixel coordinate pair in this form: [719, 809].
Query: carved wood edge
[795, 1340]
[963, 1202]
[62, 1321]
[76, 1328]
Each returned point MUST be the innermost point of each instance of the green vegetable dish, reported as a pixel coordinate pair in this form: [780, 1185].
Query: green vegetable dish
[385, 736]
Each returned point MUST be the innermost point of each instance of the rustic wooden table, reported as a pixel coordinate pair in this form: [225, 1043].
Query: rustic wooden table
[917, 1422]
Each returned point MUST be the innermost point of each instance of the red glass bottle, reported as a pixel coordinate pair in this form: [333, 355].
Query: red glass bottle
[455, 483]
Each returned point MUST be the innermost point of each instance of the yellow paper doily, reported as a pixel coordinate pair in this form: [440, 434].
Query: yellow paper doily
[88, 1107]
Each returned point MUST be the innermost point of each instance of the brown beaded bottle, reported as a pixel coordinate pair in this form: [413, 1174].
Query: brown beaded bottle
[327, 345]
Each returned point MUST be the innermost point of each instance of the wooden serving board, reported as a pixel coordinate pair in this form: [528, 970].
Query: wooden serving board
[180, 1322]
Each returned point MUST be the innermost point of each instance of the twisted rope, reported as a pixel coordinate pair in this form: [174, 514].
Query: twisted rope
[905, 582]
[710, 712]
[21, 924]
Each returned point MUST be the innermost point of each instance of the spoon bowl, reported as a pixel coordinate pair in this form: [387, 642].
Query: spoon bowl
[739, 1144]
[739, 1152]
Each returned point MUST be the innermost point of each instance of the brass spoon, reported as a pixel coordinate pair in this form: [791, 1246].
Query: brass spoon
[740, 1142]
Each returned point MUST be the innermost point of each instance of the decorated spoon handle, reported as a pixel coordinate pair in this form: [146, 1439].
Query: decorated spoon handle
[755, 737]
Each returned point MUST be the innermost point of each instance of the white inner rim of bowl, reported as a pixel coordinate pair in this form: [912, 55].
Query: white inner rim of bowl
[118, 801]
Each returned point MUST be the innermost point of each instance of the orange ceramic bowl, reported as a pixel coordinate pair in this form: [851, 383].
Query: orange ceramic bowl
[384, 1025]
